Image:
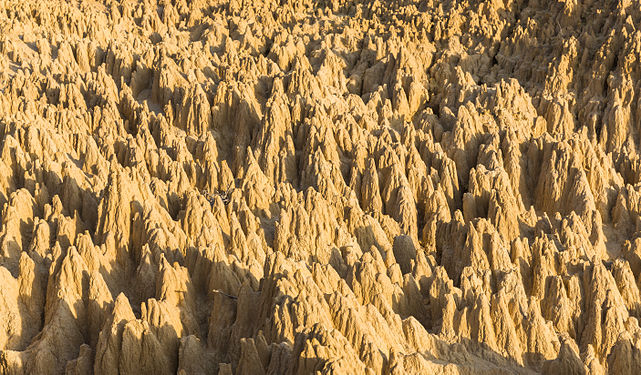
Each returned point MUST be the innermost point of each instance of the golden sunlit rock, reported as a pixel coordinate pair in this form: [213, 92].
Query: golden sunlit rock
[320, 187]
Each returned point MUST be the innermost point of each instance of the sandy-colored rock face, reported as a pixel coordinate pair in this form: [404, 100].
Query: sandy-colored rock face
[295, 187]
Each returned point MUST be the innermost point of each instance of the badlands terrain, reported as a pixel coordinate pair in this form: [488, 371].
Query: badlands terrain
[334, 187]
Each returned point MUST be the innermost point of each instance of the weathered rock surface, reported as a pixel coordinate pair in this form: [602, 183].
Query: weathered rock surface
[295, 187]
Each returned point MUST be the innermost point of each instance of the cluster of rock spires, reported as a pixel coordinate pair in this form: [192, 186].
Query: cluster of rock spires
[294, 187]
